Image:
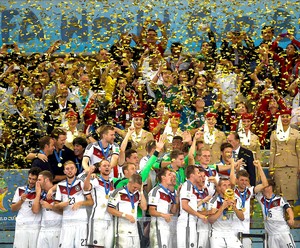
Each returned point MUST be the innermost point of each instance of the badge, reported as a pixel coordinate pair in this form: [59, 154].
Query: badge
[59, 164]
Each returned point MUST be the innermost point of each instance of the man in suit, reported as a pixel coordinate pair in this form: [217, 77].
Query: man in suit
[242, 153]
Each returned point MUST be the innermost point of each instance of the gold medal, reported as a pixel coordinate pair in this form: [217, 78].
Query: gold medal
[244, 209]
[132, 210]
[224, 217]
[59, 164]
[103, 205]
[106, 196]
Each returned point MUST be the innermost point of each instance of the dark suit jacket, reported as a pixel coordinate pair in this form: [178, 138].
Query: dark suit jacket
[247, 155]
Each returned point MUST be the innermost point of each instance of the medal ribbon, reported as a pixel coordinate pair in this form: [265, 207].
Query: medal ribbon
[202, 194]
[243, 196]
[266, 208]
[67, 185]
[224, 211]
[172, 195]
[106, 186]
[58, 157]
[105, 153]
[79, 167]
[131, 197]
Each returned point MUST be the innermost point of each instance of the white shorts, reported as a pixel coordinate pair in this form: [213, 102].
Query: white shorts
[186, 234]
[159, 234]
[281, 240]
[228, 241]
[48, 238]
[203, 239]
[101, 233]
[26, 236]
[73, 235]
[127, 235]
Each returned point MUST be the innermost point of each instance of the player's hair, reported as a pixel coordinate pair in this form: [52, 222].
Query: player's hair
[225, 145]
[222, 179]
[35, 171]
[44, 141]
[150, 145]
[162, 172]
[271, 183]
[47, 174]
[175, 153]
[104, 130]
[129, 152]
[80, 141]
[242, 173]
[199, 152]
[69, 162]
[177, 137]
[136, 178]
[190, 170]
[125, 166]
[56, 132]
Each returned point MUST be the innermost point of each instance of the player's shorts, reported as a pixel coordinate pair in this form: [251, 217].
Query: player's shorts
[227, 240]
[159, 234]
[26, 236]
[186, 233]
[203, 239]
[127, 236]
[48, 237]
[281, 240]
[101, 233]
[73, 235]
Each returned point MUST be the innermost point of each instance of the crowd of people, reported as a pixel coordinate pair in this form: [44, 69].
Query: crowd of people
[130, 133]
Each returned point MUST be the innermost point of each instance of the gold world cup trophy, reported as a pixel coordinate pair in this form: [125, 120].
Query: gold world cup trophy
[229, 195]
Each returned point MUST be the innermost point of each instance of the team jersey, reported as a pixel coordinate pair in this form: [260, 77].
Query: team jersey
[25, 215]
[72, 193]
[124, 201]
[244, 200]
[225, 174]
[188, 192]
[50, 218]
[101, 189]
[210, 171]
[96, 153]
[225, 223]
[273, 212]
[162, 199]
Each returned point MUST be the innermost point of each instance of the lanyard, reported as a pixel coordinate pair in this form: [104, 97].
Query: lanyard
[172, 195]
[78, 165]
[58, 157]
[28, 190]
[106, 186]
[44, 195]
[201, 194]
[266, 208]
[105, 153]
[42, 152]
[131, 197]
[69, 189]
[243, 196]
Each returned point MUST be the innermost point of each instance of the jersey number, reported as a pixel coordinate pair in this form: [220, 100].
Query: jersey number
[83, 242]
[30, 204]
[290, 245]
[71, 200]
[269, 214]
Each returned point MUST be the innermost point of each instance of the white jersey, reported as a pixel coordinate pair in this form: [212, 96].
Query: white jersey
[25, 215]
[72, 193]
[223, 227]
[125, 202]
[244, 199]
[96, 153]
[211, 171]
[273, 212]
[50, 218]
[188, 192]
[162, 200]
[101, 189]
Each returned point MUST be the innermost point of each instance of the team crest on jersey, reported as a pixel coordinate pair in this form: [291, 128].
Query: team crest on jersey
[275, 204]
[77, 188]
